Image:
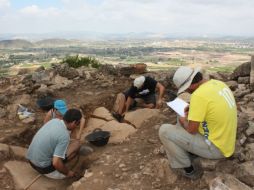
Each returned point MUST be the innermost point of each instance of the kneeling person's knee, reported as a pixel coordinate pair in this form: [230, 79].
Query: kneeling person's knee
[166, 130]
[162, 130]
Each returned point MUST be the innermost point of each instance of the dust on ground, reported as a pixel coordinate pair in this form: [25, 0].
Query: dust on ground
[131, 156]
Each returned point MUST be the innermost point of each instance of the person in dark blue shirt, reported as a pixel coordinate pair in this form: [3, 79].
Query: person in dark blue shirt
[144, 87]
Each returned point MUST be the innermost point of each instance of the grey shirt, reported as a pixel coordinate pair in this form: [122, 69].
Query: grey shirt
[51, 140]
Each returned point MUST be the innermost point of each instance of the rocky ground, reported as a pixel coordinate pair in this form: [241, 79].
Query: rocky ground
[134, 158]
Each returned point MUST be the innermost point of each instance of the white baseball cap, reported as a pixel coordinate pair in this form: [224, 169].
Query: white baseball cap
[184, 76]
[138, 82]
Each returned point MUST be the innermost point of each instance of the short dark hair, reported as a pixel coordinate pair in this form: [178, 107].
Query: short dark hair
[72, 115]
[198, 77]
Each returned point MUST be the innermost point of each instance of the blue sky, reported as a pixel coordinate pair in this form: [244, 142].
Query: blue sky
[17, 4]
[45, 3]
[179, 17]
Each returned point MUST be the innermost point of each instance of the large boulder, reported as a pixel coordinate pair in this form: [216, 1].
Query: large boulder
[67, 72]
[94, 122]
[40, 68]
[245, 173]
[102, 113]
[23, 175]
[244, 80]
[119, 131]
[41, 77]
[18, 152]
[60, 82]
[208, 164]
[124, 69]
[242, 122]
[102, 119]
[241, 93]
[4, 152]
[216, 75]
[232, 84]
[109, 69]
[140, 116]
[4, 100]
[241, 71]
[227, 182]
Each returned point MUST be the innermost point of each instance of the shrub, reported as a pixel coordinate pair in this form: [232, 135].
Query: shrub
[76, 61]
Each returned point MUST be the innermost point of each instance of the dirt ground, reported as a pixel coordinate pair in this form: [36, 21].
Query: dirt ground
[127, 166]
[113, 167]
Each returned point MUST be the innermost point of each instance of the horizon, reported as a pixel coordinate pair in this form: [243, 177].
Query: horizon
[97, 36]
[192, 18]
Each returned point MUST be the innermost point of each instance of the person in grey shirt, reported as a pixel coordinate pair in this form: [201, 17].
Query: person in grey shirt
[51, 146]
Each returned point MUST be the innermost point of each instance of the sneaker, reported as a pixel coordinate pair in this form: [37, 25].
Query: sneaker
[55, 175]
[194, 175]
[133, 106]
[118, 117]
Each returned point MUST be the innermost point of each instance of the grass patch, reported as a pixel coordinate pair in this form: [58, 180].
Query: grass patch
[77, 61]
[46, 65]
[3, 72]
[176, 61]
[226, 69]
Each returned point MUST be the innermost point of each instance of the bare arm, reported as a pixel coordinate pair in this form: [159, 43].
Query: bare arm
[190, 126]
[48, 116]
[161, 90]
[193, 127]
[59, 166]
[81, 127]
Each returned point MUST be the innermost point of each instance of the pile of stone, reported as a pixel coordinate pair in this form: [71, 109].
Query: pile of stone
[124, 69]
[20, 90]
[242, 85]
[241, 82]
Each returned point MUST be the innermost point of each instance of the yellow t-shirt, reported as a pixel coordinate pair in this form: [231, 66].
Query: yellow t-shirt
[214, 103]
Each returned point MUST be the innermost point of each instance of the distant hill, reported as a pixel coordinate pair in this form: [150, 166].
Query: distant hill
[15, 44]
[55, 42]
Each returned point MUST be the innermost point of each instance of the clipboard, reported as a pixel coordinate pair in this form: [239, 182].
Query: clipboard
[178, 105]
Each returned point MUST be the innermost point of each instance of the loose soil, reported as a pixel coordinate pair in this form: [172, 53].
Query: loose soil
[119, 166]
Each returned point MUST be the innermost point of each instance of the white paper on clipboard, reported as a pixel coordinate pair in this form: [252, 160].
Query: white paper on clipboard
[178, 106]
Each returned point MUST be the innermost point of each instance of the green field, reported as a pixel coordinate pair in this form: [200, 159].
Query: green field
[214, 55]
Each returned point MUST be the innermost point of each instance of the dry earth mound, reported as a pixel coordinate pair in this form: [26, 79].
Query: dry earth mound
[134, 158]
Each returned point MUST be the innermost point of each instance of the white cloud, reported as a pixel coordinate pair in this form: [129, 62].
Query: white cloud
[4, 3]
[230, 17]
[34, 10]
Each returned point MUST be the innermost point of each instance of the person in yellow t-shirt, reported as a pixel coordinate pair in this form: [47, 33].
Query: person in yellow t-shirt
[209, 127]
